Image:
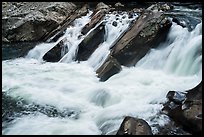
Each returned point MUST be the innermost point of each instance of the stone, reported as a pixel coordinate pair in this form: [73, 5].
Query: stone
[61, 29]
[91, 42]
[176, 96]
[189, 112]
[108, 68]
[19, 23]
[97, 16]
[114, 23]
[58, 51]
[134, 126]
[150, 29]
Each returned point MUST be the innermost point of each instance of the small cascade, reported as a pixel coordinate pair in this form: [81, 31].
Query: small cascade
[73, 36]
[180, 54]
[116, 25]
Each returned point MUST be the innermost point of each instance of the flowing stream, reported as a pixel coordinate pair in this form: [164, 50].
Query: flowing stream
[67, 98]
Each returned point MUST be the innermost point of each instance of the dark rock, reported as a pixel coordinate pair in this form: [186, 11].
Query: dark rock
[150, 29]
[91, 42]
[114, 23]
[134, 126]
[189, 113]
[57, 52]
[179, 22]
[171, 128]
[96, 17]
[109, 68]
[176, 96]
[32, 21]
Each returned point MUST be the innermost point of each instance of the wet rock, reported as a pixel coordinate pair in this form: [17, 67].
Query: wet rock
[58, 51]
[109, 68]
[114, 23]
[96, 17]
[134, 126]
[179, 22]
[32, 21]
[176, 96]
[91, 42]
[189, 112]
[150, 29]
[171, 128]
[55, 34]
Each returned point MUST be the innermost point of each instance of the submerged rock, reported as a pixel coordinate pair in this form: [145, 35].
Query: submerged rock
[32, 21]
[134, 126]
[108, 69]
[91, 42]
[150, 29]
[189, 112]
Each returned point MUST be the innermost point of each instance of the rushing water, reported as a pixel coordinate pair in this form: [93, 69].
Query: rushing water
[67, 98]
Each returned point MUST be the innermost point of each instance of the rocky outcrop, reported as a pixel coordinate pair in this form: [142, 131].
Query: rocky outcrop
[97, 16]
[150, 29]
[58, 51]
[188, 112]
[32, 21]
[54, 35]
[134, 126]
[109, 68]
[91, 42]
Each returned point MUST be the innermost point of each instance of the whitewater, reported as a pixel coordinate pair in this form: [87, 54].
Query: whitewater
[99, 107]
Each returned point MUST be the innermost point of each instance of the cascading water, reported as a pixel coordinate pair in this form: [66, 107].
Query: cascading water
[67, 98]
[122, 22]
[181, 54]
[73, 36]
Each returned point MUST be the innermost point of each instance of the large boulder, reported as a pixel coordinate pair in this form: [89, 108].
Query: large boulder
[150, 29]
[96, 17]
[108, 68]
[58, 51]
[188, 112]
[134, 126]
[91, 42]
[32, 21]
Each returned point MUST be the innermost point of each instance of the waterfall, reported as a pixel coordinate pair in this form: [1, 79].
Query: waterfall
[180, 54]
[113, 33]
[67, 98]
[73, 34]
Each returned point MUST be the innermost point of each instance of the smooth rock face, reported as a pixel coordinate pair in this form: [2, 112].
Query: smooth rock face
[134, 126]
[147, 32]
[91, 42]
[32, 21]
[109, 68]
[189, 112]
